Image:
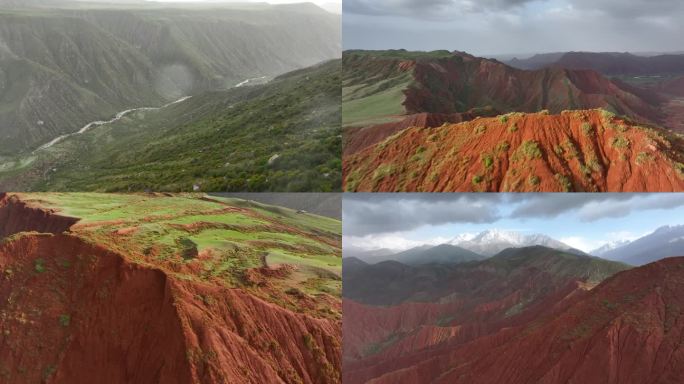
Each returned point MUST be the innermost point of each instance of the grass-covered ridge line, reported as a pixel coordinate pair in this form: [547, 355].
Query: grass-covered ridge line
[282, 136]
[402, 54]
[231, 242]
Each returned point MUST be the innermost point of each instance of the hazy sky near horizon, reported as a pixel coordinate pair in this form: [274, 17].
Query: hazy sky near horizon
[495, 27]
[330, 5]
[585, 221]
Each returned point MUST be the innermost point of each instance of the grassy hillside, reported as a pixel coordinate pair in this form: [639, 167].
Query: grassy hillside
[218, 239]
[391, 282]
[122, 284]
[556, 263]
[283, 136]
[64, 64]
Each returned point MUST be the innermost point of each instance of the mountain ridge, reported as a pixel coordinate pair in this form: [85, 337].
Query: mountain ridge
[665, 241]
[482, 242]
[292, 147]
[593, 151]
[108, 59]
[392, 342]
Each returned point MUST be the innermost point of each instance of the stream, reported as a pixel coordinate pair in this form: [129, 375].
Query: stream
[121, 114]
[118, 116]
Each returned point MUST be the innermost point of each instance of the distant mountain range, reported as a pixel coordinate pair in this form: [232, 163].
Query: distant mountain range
[667, 241]
[461, 249]
[487, 321]
[607, 63]
[491, 242]
[444, 253]
[423, 121]
[608, 247]
[392, 282]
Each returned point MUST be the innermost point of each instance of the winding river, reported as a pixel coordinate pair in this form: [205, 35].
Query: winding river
[93, 124]
[121, 114]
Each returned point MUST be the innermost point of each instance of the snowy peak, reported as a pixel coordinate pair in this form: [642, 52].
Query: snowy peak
[667, 229]
[609, 247]
[664, 242]
[495, 235]
[493, 241]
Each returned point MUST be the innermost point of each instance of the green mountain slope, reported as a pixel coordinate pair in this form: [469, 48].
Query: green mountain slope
[391, 282]
[282, 136]
[65, 64]
[440, 254]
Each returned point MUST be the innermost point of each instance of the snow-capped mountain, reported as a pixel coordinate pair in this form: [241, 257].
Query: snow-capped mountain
[600, 251]
[493, 241]
[664, 242]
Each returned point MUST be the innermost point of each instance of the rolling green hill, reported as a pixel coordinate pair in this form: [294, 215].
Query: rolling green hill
[281, 136]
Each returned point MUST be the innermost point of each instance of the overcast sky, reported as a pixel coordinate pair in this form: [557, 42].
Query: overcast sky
[490, 27]
[330, 5]
[584, 221]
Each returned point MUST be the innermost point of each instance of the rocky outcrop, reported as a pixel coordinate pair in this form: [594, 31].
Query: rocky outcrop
[590, 150]
[16, 216]
[358, 138]
[75, 310]
[461, 82]
[627, 330]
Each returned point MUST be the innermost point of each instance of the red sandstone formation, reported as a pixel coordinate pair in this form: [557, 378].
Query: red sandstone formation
[358, 138]
[441, 89]
[627, 330]
[16, 216]
[76, 312]
[574, 151]
[673, 87]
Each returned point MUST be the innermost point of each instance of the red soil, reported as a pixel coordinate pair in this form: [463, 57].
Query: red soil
[627, 330]
[358, 138]
[573, 151]
[464, 82]
[673, 87]
[675, 114]
[74, 312]
[16, 216]
[417, 330]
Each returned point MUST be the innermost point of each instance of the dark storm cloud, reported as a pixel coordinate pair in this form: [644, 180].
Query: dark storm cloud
[553, 205]
[631, 8]
[372, 214]
[515, 26]
[592, 207]
[366, 214]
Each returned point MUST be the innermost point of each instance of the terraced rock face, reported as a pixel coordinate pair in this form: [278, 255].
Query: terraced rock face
[381, 88]
[177, 289]
[587, 150]
[625, 330]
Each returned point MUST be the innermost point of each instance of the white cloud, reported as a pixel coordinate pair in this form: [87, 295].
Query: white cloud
[329, 5]
[581, 243]
[395, 242]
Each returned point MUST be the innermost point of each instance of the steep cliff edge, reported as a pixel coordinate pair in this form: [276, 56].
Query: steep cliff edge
[16, 216]
[74, 308]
